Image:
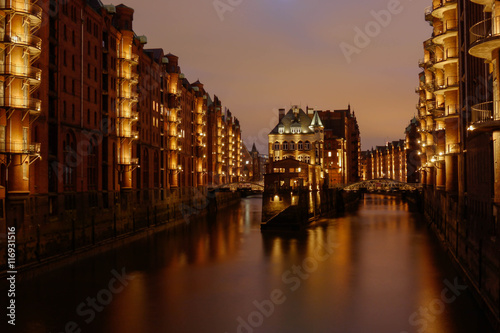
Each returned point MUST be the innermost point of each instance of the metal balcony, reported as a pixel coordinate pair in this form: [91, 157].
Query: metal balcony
[440, 7]
[449, 29]
[31, 104]
[34, 43]
[482, 112]
[450, 55]
[450, 83]
[128, 161]
[485, 38]
[33, 74]
[21, 7]
[19, 147]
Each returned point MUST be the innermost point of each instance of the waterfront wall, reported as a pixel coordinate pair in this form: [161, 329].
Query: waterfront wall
[50, 227]
[471, 239]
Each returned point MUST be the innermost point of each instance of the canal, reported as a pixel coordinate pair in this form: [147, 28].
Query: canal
[378, 269]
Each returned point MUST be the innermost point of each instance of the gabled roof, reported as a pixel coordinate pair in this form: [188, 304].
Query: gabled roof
[296, 119]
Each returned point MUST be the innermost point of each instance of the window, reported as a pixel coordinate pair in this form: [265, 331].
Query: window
[92, 165]
[300, 145]
[307, 159]
[285, 145]
[276, 158]
[292, 145]
[281, 129]
[276, 145]
[307, 145]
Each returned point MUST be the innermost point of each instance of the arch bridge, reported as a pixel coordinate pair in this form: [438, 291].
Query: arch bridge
[383, 185]
[241, 186]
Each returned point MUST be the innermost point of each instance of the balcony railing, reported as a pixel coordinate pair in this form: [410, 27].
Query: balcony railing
[19, 147]
[448, 26]
[22, 71]
[485, 29]
[22, 7]
[482, 112]
[128, 134]
[22, 39]
[451, 81]
[443, 3]
[21, 103]
[134, 58]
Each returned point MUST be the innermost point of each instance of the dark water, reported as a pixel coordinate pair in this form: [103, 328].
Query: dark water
[377, 270]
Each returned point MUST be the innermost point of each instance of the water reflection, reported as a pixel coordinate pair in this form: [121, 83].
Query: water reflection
[369, 271]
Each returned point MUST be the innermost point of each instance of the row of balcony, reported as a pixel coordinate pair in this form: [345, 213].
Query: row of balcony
[19, 147]
[480, 113]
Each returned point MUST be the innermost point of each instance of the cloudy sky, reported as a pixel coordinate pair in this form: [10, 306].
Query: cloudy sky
[261, 55]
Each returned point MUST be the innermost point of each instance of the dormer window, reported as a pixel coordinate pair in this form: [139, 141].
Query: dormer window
[296, 128]
[281, 129]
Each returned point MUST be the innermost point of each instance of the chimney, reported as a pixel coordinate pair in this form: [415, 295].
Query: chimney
[281, 114]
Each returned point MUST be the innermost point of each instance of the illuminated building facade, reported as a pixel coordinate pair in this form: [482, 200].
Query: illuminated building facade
[397, 160]
[99, 135]
[459, 143]
[298, 137]
[342, 146]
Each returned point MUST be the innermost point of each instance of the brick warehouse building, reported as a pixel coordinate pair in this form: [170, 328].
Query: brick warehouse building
[459, 127]
[397, 160]
[98, 134]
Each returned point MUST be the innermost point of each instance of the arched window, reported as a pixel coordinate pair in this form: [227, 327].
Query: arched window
[307, 145]
[300, 145]
[292, 145]
[300, 158]
[276, 145]
[307, 159]
[285, 145]
[281, 129]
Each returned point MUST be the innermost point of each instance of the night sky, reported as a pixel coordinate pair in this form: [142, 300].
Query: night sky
[262, 55]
